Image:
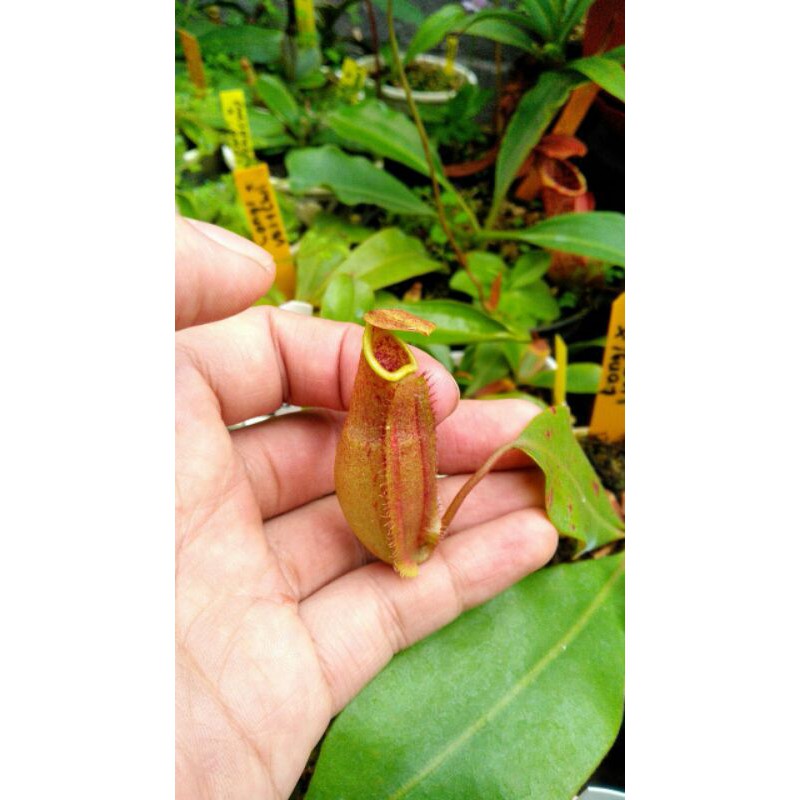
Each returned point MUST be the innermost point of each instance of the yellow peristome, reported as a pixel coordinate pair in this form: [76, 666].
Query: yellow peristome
[369, 354]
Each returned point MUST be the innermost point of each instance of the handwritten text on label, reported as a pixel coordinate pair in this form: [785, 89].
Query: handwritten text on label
[234, 112]
[608, 414]
[265, 221]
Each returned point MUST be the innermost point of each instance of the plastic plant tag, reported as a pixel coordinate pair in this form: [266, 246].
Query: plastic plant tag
[560, 380]
[194, 61]
[608, 414]
[265, 222]
[349, 73]
[450, 50]
[306, 24]
[234, 112]
[352, 80]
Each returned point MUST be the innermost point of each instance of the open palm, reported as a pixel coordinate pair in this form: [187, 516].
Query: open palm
[281, 615]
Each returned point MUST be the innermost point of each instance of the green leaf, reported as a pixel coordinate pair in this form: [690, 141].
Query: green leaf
[486, 364]
[259, 45]
[404, 10]
[543, 17]
[499, 30]
[353, 179]
[388, 257]
[534, 113]
[318, 255]
[575, 499]
[380, 130]
[514, 18]
[434, 29]
[347, 299]
[484, 266]
[524, 359]
[587, 344]
[529, 268]
[335, 225]
[274, 93]
[267, 130]
[519, 698]
[607, 73]
[527, 306]
[573, 13]
[456, 323]
[582, 378]
[202, 136]
[215, 201]
[524, 301]
[441, 352]
[594, 234]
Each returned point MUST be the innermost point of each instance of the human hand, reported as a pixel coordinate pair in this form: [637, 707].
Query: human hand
[281, 615]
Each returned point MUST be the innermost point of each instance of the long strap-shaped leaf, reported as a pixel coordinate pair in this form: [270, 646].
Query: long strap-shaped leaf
[543, 16]
[606, 72]
[594, 234]
[534, 113]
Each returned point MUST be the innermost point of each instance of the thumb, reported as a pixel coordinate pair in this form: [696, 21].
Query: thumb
[217, 273]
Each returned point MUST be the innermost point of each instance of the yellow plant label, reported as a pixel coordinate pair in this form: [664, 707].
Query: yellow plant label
[234, 112]
[608, 414]
[350, 73]
[249, 72]
[450, 50]
[352, 79]
[265, 221]
[306, 25]
[560, 379]
[194, 61]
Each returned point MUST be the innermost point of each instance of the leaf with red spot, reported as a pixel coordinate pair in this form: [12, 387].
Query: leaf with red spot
[494, 296]
[575, 504]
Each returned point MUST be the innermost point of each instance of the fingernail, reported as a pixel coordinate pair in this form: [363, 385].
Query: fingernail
[236, 244]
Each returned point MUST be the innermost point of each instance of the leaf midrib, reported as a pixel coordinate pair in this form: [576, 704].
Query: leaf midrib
[392, 261]
[560, 238]
[379, 198]
[528, 678]
[389, 144]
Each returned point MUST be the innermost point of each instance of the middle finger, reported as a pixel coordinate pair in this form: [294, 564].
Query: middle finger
[315, 545]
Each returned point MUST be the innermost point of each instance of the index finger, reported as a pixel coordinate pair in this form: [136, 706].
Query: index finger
[217, 273]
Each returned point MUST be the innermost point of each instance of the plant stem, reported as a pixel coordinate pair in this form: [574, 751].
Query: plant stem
[376, 45]
[471, 483]
[473, 221]
[498, 87]
[498, 81]
[426, 146]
